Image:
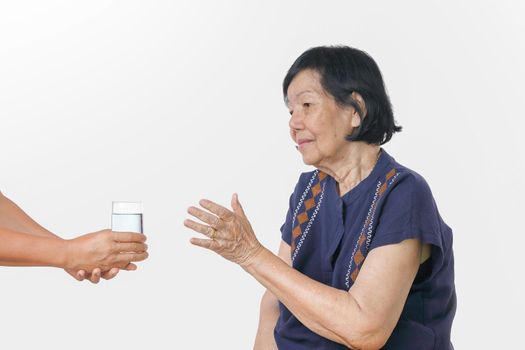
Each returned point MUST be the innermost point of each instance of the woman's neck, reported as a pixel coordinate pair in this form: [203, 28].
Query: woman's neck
[352, 165]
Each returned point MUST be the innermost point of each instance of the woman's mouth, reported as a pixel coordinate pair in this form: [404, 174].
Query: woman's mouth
[302, 143]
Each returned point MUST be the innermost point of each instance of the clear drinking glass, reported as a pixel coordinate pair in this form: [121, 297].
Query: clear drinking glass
[126, 217]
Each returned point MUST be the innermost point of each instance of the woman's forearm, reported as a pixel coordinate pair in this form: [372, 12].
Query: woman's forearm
[332, 313]
[269, 314]
[13, 218]
[21, 249]
[327, 311]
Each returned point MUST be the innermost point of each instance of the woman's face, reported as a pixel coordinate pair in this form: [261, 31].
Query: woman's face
[318, 125]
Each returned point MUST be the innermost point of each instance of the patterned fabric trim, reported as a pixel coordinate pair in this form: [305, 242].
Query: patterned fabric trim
[308, 209]
[314, 175]
[363, 242]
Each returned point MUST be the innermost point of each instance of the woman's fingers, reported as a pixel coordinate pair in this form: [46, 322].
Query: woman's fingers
[200, 228]
[216, 209]
[236, 205]
[205, 243]
[127, 237]
[206, 217]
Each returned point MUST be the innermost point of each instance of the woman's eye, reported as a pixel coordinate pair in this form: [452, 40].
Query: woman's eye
[306, 105]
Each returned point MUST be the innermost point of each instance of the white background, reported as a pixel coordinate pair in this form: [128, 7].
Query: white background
[168, 102]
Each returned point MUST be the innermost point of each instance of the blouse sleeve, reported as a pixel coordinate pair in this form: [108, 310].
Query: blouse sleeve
[408, 211]
[286, 228]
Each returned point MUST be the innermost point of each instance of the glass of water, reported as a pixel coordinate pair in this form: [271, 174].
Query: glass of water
[126, 217]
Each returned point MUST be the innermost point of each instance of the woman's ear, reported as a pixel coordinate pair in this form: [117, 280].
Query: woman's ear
[360, 101]
[356, 118]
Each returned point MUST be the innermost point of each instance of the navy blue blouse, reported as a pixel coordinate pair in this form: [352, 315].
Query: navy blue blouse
[330, 237]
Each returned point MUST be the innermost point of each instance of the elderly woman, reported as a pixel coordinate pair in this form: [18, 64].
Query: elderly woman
[365, 260]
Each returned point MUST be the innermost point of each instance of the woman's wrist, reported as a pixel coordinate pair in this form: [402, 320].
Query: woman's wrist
[256, 259]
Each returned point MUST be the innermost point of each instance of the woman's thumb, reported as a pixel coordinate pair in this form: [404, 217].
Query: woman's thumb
[236, 205]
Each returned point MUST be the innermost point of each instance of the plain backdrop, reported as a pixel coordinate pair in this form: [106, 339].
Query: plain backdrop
[168, 102]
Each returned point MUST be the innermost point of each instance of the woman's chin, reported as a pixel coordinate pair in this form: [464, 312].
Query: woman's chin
[309, 160]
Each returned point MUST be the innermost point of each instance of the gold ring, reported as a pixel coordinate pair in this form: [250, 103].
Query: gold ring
[213, 231]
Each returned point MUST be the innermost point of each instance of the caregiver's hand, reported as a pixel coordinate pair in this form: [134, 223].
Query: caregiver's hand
[105, 250]
[95, 275]
[230, 233]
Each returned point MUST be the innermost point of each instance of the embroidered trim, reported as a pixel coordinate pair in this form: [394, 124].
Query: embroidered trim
[371, 222]
[393, 179]
[371, 212]
[367, 233]
[310, 222]
[303, 197]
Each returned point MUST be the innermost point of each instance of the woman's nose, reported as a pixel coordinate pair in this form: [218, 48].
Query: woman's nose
[296, 121]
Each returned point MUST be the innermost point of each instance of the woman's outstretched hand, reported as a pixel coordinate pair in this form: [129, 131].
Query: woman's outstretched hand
[229, 232]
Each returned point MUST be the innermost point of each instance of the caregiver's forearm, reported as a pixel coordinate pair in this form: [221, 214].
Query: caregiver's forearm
[327, 311]
[13, 218]
[21, 249]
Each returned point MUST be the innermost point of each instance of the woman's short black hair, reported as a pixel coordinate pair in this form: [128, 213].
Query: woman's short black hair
[344, 70]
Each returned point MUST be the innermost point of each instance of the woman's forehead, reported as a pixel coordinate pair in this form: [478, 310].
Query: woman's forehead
[305, 83]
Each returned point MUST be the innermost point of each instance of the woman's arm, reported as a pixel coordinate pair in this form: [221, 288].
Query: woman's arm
[268, 316]
[269, 313]
[362, 318]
